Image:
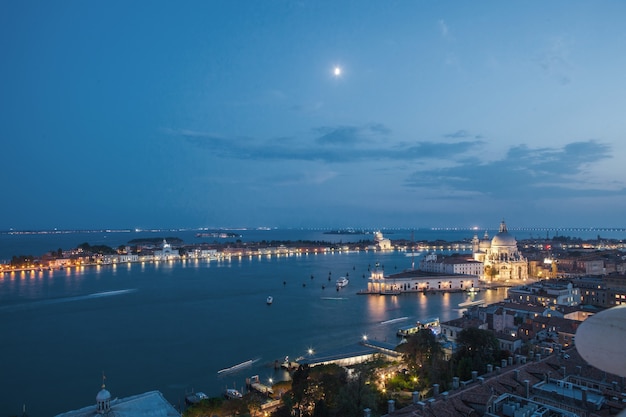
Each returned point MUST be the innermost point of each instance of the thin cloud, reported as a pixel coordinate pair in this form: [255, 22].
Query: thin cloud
[443, 29]
[344, 135]
[338, 144]
[554, 60]
[523, 172]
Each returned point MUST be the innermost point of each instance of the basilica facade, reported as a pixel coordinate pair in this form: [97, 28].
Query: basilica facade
[501, 259]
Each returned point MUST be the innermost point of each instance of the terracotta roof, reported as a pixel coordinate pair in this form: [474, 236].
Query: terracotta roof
[459, 402]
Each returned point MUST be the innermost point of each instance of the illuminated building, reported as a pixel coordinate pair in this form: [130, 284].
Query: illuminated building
[501, 258]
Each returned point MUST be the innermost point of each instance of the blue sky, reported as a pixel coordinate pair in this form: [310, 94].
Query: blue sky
[229, 113]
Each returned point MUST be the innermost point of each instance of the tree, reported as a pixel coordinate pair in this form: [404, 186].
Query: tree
[424, 358]
[478, 348]
[358, 393]
[420, 348]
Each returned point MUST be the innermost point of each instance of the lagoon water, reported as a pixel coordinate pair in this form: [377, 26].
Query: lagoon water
[172, 326]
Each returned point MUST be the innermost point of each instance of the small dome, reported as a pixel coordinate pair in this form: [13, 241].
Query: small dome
[103, 395]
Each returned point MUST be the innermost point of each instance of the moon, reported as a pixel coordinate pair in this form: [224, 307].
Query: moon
[337, 71]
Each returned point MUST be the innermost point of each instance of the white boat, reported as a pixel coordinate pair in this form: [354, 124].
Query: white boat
[269, 300]
[233, 394]
[342, 282]
[471, 303]
[236, 367]
[473, 290]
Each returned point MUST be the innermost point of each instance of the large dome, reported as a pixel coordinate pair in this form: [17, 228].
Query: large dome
[503, 238]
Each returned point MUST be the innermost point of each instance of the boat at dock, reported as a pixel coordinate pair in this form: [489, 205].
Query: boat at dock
[342, 282]
[431, 324]
[195, 398]
[232, 394]
[236, 367]
[255, 384]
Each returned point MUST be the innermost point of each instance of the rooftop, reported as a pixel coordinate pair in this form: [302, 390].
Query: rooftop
[148, 404]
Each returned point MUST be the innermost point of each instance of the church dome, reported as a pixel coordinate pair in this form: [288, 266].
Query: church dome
[503, 238]
[103, 395]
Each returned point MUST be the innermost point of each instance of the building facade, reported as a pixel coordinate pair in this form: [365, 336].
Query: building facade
[501, 258]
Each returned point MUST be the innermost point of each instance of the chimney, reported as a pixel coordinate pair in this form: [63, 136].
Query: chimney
[445, 395]
[481, 380]
[489, 368]
[516, 374]
[391, 406]
[537, 357]
[564, 371]
[435, 390]
[455, 382]
[416, 397]
[474, 375]
[367, 412]
[510, 360]
[421, 405]
[527, 388]
[497, 369]
[503, 363]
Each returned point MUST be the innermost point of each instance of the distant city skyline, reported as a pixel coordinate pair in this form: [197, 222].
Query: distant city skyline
[312, 114]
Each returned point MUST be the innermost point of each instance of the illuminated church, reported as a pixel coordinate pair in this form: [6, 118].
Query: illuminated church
[501, 259]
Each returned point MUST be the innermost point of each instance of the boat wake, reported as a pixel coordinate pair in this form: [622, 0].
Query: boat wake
[394, 320]
[238, 367]
[35, 304]
[334, 298]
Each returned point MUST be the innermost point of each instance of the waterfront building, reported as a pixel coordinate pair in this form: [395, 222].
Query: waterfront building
[501, 257]
[451, 265]
[381, 243]
[166, 253]
[415, 280]
[117, 258]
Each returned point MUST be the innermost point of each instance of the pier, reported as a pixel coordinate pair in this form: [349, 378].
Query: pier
[255, 384]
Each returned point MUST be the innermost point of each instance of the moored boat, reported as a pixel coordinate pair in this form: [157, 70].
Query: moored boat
[195, 398]
[269, 300]
[342, 282]
[232, 394]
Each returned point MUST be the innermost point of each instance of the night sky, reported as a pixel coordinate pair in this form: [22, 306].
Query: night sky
[145, 114]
